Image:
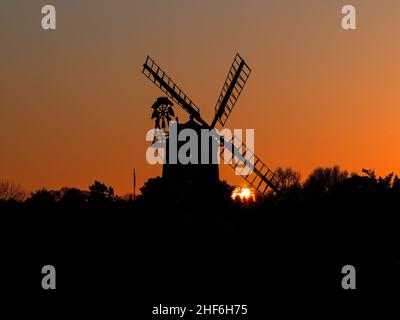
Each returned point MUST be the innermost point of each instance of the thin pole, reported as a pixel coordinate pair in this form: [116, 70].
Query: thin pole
[134, 185]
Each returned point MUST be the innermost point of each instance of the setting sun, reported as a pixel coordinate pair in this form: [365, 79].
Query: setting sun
[243, 193]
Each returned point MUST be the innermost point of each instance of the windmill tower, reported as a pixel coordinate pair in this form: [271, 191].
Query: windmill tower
[243, 160]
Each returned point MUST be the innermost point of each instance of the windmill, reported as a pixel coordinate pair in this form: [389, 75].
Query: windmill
[162, 112]
[256, 173]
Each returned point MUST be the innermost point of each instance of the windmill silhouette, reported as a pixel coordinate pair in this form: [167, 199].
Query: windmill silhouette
[243, 160]
[162, 112]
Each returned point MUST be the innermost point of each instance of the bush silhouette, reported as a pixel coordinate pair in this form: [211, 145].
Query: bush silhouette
[99, 192]
[42, 197]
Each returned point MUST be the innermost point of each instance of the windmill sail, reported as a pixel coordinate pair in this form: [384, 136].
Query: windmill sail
[249, 166]
[152, 71]
[233, 86]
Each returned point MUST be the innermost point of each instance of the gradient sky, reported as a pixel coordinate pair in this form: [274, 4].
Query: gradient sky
[75, 107]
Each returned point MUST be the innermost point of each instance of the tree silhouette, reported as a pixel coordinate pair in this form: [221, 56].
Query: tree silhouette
[99, 192]
[288, 179]
[396, 184]
[42, 197]
[11, 191]
[322, 180]
[74, 196]
[154, 193]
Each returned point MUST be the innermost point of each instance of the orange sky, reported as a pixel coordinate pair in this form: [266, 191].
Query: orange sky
[75, 107]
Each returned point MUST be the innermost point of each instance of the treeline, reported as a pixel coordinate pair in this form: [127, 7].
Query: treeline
[321, 184]
[333, 181]
[98, 193]
[330, 206]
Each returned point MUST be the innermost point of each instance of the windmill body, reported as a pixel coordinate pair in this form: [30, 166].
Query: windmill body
[181, 175]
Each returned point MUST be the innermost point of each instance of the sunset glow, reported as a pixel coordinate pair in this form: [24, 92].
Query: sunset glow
[243, 193]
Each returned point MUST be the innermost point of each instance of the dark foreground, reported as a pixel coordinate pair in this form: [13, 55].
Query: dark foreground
[127, 259]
